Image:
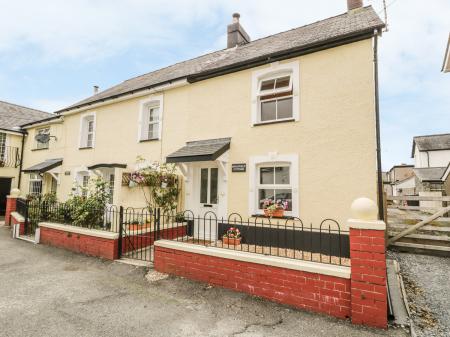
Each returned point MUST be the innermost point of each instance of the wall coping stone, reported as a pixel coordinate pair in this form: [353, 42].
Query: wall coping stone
[80, 230]
[367, 224]
[275, 261]
[18, 217]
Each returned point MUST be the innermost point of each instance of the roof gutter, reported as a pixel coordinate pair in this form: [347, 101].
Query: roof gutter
[175, 83]
[294, 52]
[180, 81]
[42, 122]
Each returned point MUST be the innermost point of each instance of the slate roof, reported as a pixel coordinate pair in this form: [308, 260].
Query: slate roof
[332, 30]
[44, 166]
[201, 150]
[12, 115]
[429, 173]
[431, 143]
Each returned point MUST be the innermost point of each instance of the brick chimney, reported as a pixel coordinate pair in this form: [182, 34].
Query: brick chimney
[237, 36]
[354, 4]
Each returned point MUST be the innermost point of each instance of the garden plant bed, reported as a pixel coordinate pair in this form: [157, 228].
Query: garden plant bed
[273, 251]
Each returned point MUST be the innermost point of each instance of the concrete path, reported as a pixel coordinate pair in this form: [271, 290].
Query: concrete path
[51, 292]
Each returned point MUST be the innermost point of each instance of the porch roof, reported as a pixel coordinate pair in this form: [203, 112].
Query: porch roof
[44, 166]
[110, 165]
[201, 150]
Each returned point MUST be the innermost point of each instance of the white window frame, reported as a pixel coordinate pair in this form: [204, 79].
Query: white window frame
[34, 178]
[275, 70]
[273, 159]
[41, 146]
[273, 186]
[143, 122]
[84, 124]
[4, 147]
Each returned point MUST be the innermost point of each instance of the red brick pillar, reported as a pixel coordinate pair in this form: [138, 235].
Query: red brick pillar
[11, 202]
[368, 266]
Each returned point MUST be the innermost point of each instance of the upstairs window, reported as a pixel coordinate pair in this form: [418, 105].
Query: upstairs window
[87, 137]
[151, 118]
[150, 121]
[275, 98]
[44, 141]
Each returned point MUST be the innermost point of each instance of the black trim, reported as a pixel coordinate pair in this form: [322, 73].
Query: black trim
[380, 188]
[149, 140]
[286, 54]
[113, 165]
[44, 169]
[41, 121]
[275, 122]
[44, 148]
[21, 132]
[85, 148]
[204, 157]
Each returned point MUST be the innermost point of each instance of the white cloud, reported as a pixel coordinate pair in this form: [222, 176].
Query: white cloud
[414, 94]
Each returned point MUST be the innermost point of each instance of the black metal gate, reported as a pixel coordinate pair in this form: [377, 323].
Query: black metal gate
[138, 230]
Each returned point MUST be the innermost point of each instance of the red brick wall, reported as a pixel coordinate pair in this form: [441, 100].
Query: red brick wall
[90, 245]
[369, 287]
[21, 224]
[315, 292]
[11, 204]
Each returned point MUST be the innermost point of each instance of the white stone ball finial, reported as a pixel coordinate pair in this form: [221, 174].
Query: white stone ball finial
[364, 209]
[15, 192]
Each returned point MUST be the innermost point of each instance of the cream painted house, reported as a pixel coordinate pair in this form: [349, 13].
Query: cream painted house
[11, 137]
[292, 116]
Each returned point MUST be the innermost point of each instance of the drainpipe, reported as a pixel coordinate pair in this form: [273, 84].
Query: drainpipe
[377, 116]
[21, 160]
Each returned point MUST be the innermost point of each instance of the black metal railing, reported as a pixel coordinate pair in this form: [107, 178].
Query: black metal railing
[22, 207]
[139, 228]
[9, 156]
[326, 242]
[101, 218]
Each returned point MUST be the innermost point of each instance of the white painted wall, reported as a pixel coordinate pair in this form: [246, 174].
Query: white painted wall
[436, 158]
[405, 184]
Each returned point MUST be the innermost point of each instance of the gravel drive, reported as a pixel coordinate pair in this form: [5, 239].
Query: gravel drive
[52, 292]
[427, 282]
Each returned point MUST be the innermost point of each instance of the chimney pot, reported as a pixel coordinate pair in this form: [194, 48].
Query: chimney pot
[237, 36]
[96, 89]
[354, 4]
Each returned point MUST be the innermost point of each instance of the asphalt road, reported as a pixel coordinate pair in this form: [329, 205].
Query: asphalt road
[52, 292]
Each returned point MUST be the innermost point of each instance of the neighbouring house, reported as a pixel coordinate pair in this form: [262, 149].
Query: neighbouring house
[431, 155]
[262, 119]
[11, 137]
[446, 64]
[398, 180]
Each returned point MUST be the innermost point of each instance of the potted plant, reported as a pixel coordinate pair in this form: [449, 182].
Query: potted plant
[232, 237]
[274, 208]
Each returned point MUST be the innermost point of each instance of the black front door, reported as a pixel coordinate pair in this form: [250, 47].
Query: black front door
[5, 187]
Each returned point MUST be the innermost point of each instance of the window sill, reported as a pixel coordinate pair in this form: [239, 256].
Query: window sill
[148, 140]
[45, 148]
[287, 217]
[85, 148]
[275, 122]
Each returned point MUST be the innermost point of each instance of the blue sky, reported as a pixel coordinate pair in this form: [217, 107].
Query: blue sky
[52, 52]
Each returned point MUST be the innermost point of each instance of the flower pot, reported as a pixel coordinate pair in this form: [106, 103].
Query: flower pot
[278, 213]
[231, 241]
